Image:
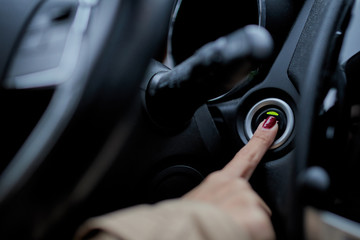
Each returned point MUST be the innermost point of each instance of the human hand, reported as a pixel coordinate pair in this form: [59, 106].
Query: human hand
[229, 190]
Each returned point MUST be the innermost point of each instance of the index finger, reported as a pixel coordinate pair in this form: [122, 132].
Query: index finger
[246, 160]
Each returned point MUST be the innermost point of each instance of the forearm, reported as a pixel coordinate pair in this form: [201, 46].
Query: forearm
[172, 219]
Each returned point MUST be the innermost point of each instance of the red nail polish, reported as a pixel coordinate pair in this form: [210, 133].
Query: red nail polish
[269, 122]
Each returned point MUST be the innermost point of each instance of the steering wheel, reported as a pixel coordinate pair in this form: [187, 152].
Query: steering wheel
[323, 116]
[83, 61]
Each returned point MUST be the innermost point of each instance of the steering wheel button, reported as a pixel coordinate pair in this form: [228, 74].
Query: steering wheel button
[270, 111]
[271, 107]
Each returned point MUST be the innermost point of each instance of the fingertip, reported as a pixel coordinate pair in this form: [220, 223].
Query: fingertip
[267, 130]
[269, 122]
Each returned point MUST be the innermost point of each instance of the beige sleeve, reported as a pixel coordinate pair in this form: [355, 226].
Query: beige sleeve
[168, 220]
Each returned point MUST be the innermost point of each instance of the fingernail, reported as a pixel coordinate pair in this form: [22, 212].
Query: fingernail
[269, 122]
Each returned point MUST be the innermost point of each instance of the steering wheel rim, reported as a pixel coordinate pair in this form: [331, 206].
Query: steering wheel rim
[324, 80]
[92, 103]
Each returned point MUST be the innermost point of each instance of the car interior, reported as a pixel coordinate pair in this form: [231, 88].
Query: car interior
[107, 104]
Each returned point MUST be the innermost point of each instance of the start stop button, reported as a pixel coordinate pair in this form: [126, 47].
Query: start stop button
[271, 107]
